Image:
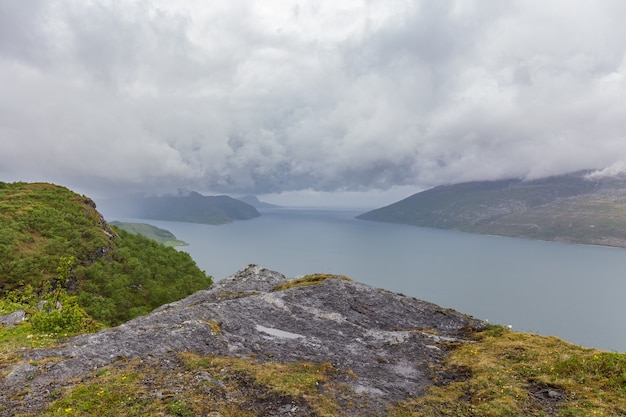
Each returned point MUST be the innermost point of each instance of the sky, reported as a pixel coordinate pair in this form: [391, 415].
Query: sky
[308, 102]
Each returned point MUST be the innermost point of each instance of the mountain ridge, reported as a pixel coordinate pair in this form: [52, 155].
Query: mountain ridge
[191, 207]
[254, 201]
[574, 208]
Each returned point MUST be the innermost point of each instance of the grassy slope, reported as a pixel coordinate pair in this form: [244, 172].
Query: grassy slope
[505, 373]
[114, 274]
[39, 223]
[164, 237]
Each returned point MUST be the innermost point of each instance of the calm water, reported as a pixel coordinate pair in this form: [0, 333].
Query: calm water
[575, 292]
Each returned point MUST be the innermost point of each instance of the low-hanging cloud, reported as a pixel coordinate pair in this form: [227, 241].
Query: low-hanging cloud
[249, 97]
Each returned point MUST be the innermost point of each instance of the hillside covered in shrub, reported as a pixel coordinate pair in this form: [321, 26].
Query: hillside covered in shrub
[576, 208]
[54, 243]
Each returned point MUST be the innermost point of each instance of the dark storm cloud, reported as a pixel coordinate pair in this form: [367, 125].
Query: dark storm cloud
[329, 96]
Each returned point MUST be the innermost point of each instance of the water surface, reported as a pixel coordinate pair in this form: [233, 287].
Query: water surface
[575, 292]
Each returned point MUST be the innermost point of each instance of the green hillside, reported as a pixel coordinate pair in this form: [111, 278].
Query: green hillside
[52, 238]
[164, 237]
[568, 208]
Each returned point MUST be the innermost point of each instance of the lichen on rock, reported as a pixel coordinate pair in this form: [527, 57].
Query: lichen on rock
[382, 344]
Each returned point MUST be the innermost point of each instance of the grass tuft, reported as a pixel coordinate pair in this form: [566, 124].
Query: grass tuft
[306, 280]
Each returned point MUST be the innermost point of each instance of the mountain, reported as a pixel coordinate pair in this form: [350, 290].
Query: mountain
[254, 201]
[189, 207]
[164, 237]
[577, 208]
[55, 244]
[259, 344]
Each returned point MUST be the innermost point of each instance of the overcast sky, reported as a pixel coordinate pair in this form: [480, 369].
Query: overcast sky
[308, 98]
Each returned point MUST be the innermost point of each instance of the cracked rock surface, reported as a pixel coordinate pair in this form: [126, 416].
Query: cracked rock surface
[388, 340]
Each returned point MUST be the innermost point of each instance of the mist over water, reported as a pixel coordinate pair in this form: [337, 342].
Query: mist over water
[575, 292]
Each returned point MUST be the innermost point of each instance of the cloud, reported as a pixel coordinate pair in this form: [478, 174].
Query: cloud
[248, 97]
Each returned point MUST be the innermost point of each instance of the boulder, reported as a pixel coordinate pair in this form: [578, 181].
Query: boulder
[13, 318]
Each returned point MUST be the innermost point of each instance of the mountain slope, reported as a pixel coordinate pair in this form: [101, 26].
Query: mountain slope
[189, 207]
[570, 208]
[41, 222]
[52, 238]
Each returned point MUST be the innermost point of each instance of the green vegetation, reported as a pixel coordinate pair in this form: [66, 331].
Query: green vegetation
[55, 247]
[59, 312]
[39, 224]
[164, 237]
[312, 279]
[293, 379]
[134, 278]
[52, 313]
[228, 387]
[505, 373]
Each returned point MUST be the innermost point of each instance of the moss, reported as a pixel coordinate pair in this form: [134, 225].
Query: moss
[198, 385]
[306, 280]
[236, 294]
[215, 327]
[301, 382]
[505, 373]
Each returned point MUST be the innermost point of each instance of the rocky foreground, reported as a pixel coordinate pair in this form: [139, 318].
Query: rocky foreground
[381, 346]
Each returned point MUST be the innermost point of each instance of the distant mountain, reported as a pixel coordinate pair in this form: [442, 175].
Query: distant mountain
[577, 208]
[189, 207]
[255, 202]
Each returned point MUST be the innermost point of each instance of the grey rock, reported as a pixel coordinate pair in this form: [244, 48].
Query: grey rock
[386, 339]
[44, 304]
[20, 374]
[13, 318]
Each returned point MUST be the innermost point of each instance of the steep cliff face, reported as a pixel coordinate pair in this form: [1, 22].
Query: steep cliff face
[377, 347]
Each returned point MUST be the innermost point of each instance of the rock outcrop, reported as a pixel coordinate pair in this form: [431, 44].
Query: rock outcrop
[387, 341]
